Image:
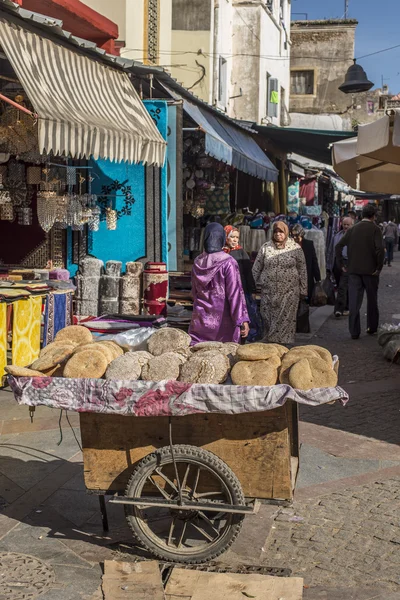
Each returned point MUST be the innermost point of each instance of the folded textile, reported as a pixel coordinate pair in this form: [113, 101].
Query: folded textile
[58, 314]
[27, 316]
[3, 338]
[10, 294]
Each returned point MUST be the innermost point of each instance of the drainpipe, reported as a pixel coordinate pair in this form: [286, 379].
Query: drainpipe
[216, 54]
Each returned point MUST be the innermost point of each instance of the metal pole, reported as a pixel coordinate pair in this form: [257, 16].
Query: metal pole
[346, 8]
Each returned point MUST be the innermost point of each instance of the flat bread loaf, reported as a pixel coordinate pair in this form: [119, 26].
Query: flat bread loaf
[257, 351]
[74, 333]
[308, 373]
[164, 367]
[88, 364]
[166, 340]
[260, 372]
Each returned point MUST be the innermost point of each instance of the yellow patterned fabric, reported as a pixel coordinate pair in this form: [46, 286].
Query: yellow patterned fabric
[27, 316]
[3, 338]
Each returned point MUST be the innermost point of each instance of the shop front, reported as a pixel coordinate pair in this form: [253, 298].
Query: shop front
[80, 156]
[71, 128]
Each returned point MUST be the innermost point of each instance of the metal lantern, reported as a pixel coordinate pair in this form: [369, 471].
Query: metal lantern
[356, 80]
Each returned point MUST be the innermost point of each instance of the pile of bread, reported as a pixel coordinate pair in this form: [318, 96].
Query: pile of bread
[303, 367]
[169, 356]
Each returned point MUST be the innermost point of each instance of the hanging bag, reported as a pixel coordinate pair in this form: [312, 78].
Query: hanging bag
[319, 297]
[329, 290]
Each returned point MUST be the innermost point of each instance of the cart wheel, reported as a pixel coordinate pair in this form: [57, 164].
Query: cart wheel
[184, 536]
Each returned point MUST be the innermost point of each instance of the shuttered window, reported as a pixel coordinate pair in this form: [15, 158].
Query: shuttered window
[302, 83]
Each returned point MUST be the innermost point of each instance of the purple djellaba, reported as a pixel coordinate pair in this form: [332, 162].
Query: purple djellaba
[219, 305]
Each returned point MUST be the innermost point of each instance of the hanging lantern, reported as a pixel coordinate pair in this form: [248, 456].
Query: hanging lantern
[355, 80]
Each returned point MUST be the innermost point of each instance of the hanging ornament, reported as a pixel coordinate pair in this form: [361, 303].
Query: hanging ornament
[94, 223]
[7, 212]
[25, 216]
[46, 209]
[4, 197]
[111, 219]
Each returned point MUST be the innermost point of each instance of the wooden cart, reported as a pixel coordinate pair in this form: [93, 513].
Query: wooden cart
[262, 448]
[259, 457]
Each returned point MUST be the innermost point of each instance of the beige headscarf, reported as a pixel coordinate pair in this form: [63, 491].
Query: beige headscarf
[280, 226]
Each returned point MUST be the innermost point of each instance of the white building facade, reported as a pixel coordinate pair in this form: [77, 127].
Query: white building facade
[233, 54]
[237, 55]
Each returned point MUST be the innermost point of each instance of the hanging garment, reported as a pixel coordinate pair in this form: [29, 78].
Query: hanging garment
[218, 201]
[3, 338]
[26, 330]
[58, 314]
[308, 190]
[293, 201]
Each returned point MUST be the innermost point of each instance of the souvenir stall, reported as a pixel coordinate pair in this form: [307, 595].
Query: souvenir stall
[217, 152]
[49, 131]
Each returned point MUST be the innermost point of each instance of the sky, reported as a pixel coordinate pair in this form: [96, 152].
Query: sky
[378, 28]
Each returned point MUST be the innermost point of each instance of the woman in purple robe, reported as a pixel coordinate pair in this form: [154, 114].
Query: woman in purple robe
[219, 305]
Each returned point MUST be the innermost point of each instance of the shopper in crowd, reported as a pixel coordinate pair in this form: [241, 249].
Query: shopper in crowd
[280, 270]
[365, 254]
[313, 272]
[341, 275]
[391, 238]
[219, 305]
[235, 250]
[398, 237]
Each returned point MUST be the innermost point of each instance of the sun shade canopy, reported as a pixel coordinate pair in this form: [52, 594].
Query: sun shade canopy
[311, 143]
[84, 107]
[231, 144]
[371, 161]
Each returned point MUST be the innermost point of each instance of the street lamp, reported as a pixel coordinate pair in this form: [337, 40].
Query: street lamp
[356, 80]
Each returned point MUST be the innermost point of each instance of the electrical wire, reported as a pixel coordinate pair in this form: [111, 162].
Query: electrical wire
[266, 56]
[379, 52]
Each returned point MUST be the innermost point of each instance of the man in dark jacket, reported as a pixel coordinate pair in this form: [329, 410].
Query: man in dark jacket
[365, 255]
[313, 272]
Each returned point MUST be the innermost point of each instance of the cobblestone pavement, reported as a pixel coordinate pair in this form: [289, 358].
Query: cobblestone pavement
[373, 383]
[350, 538]
[345, 541]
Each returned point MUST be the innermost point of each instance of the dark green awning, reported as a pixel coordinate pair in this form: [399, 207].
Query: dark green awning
[311, 143]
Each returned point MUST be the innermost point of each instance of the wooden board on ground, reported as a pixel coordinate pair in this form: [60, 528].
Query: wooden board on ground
[256, 446]
[127, 580]
[200, 585]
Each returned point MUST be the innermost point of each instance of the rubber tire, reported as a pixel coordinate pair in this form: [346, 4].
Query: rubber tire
[163, 456]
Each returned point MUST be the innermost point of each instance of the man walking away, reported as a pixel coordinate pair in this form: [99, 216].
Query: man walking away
[391, 238]
[341, 275]
[365, 254]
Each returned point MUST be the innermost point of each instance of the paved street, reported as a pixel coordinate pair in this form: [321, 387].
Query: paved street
[342, 533]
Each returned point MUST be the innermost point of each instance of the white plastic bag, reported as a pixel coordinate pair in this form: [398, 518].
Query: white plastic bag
[133, 339]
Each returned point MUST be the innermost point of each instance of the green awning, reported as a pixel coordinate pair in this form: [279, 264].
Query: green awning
[311, 143]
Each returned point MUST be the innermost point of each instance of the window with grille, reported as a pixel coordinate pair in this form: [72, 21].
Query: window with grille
[302, 83]
[152, 19]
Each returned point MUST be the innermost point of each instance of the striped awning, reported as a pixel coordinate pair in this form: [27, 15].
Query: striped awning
[84, 107]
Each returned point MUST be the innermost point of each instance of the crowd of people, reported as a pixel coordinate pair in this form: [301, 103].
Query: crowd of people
[285, 271]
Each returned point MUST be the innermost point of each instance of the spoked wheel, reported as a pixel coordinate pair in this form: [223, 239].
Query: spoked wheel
[171, 534]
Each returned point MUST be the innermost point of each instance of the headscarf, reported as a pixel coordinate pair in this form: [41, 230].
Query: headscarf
[214, 238]
[298, 230]
[229, 229]
[283, 227]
